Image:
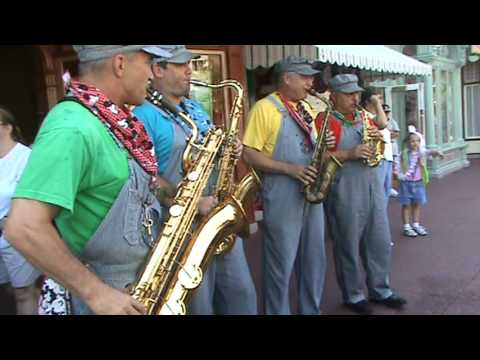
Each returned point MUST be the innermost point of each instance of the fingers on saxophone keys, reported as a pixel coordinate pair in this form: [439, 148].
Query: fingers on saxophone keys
[311, 170]
[309, 175]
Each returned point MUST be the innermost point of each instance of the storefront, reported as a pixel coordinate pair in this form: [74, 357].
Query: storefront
[443, 95]
[426, 93]
[471, 101]
[32, 80]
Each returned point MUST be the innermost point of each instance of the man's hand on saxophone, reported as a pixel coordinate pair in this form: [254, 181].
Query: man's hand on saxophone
[207, 204]
[361, 152]
[106, 300]
[306, 174]
[331, 140]
[375, 134]
[238, 148]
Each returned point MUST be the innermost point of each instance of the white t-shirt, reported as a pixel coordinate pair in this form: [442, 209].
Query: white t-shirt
[393, 127]
[11, 169]
[387, 136]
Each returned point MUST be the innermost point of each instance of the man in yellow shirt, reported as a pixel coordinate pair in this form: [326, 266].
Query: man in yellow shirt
[279, 141]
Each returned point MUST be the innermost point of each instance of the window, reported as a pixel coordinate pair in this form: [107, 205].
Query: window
[472, 111]
[211, 68]
[444, 107]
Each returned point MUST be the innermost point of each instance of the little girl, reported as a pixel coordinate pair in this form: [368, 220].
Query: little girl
[413, 175]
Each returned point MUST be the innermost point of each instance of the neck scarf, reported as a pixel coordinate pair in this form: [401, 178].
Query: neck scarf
[121, 122]
[303, 122]
[344, 120]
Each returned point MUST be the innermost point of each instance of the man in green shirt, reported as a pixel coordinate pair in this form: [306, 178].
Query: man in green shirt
[90, 154]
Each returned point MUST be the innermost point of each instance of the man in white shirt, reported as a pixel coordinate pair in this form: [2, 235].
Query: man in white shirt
[394, 135]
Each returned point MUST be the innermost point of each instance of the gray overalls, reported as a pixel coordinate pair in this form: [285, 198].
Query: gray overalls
[120, 245]
[358, 222]
[227, 288]
[292, 227]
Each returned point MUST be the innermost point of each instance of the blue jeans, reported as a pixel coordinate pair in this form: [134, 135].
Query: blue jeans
[387, 177]
[412, 192]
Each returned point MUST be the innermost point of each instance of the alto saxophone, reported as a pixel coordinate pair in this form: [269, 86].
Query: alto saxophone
[326, 165]
[227, 191]
[175, 265]
[376, 144]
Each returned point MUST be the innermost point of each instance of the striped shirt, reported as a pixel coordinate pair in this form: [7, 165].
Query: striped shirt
[413, 172]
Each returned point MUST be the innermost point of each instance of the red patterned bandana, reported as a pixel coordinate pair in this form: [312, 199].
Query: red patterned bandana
[121, 122]
[299, 118]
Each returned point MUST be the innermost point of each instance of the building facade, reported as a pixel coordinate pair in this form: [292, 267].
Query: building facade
[471, 101]
[441, 103]
[444, 106]
[32, 79]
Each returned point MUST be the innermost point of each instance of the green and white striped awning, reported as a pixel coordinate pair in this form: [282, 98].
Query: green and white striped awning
[377, 58]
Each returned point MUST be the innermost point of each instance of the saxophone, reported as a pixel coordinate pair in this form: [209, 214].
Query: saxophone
[175, 265]
[377, 145]
[227, 191]
[317, 192]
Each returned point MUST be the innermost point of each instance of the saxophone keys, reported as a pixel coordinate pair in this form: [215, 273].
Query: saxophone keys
[176, 210]
[190, 277]
[175, 308]
[193, 176]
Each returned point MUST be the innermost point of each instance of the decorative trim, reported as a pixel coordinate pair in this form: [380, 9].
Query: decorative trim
[372, 57]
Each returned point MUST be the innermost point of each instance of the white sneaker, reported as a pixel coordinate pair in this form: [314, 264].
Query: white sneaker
[393, 193]
[420, 230]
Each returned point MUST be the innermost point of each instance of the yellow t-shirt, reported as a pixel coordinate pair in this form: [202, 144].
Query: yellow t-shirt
[264, 122]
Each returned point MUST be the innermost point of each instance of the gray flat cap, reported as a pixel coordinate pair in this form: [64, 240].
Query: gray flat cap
[345, 83]
[180, 54]
[296, 65]
[88, 53]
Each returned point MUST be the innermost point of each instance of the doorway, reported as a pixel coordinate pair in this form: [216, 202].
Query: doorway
[22, 90]
[408, 106]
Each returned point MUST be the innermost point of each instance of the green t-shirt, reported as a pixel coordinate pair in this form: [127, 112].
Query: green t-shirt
[77, 165]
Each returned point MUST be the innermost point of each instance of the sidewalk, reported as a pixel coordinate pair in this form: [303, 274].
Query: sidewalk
[438, 274]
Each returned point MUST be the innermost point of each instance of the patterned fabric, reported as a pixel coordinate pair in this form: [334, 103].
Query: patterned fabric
[121, 122]
[54, 299]
[346, 122]
[198, 115]
[412, 172]
[201, 117]
[413, 166]
[304, 123]
[304, 113]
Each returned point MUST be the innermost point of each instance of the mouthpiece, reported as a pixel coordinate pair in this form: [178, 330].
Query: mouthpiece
[198, 83]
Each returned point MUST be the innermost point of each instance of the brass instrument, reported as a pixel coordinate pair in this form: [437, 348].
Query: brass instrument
[226, 188]
[377, 145]
[175, 266]
[326, 165]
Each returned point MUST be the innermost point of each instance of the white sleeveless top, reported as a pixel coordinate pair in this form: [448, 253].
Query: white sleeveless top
[11, 169]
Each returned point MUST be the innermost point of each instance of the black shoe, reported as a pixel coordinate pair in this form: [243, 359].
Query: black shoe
[362, 307]
[393, 301]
